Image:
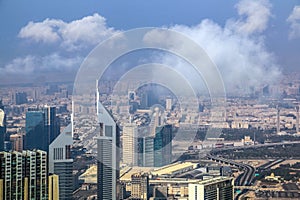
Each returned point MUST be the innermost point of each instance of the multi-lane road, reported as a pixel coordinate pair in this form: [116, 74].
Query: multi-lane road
[249, 171]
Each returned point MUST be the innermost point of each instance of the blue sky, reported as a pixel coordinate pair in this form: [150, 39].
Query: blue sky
[18, 51]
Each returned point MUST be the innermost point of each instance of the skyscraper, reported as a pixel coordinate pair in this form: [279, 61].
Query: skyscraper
[21, 98]
[108, 156]
[156, 151]
[163, 146]
[2, 126]
[42, 127]
[130, 140]
[146, 151]
[61, 163]
[216, 188]
[23, 175]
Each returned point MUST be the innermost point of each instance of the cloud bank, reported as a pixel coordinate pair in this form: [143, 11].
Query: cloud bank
[41, 64]
[237, 48]
[294, 21]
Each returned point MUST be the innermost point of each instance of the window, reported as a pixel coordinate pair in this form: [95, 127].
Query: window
[108, 131]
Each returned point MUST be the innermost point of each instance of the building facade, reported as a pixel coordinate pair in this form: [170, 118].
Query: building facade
[130, 142]
[42, 127]
[156, 151]
[139, 186]
[220, 188]
[61, 163]
[23, 175]
[108, 156]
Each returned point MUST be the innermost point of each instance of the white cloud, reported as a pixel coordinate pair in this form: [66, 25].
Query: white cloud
[45, 31]
[294, 21]
[254, 16]
[74, 35]
[242, 59]
[238, 48]
[36, 64]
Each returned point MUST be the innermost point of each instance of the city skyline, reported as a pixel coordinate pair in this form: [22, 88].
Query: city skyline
[133, 100]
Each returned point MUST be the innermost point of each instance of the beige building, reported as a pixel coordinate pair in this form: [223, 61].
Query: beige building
[140, 186]
[130, 141]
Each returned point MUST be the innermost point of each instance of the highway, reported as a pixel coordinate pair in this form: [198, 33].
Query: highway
[270, 164]
[256, 146]
[245, 179]
[249, 171]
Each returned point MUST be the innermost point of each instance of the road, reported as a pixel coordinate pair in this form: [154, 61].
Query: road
[245, 179]
[249, 171]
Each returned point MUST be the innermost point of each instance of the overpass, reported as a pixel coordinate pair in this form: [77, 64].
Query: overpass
[249, 171]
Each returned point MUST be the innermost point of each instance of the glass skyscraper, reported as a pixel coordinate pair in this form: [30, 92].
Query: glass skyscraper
[42, 127]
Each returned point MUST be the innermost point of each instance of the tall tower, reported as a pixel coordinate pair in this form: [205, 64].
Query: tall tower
[61, 163]
[156, 151]
[2, 126]
[163, 146]
[130, 140]
[146, 151]
[42, 127]
[297, 119]
[51, 123]
[108, 157]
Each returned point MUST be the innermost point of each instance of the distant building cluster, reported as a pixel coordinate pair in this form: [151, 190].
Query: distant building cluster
[126, 146]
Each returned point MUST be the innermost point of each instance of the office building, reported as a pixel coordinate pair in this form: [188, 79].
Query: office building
[2, 126]
[163, 146]
[220, 188]
[108, 156]
[146, 151]
[61, 163]
[139, 186]
[156, 151]
[20, 98]
[23, 175]
[129, 147]
[42, 127]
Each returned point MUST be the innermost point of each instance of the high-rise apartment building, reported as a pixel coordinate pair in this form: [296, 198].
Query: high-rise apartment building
[129, 147]
[108, 156]
[23, 175]
[220, 188]
[42, 127]
[61, 163]
[2, 126]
